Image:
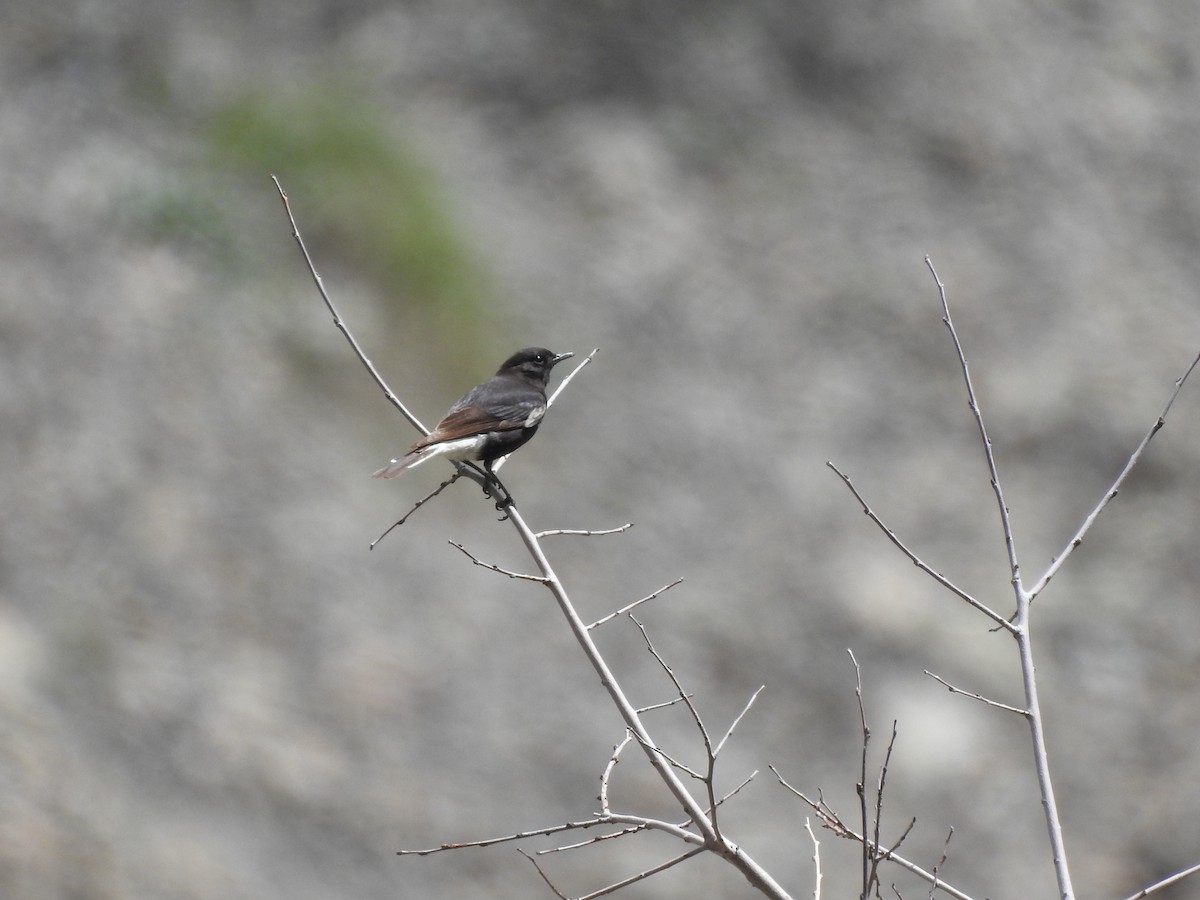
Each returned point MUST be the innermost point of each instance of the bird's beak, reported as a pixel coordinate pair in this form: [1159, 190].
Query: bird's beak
[560, 358]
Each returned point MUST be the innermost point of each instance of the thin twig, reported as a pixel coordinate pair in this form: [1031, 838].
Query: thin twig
[677, 831]
[634, 604]
[1024, 713]
[682, 767]
[916, 560]
[749, 778]
[404, 518]
[683, 695]
[663, 705]
[973, 403]
[521, 575]
[729, 795]
[641, 876]
[816, 858]
[545, 878]
[1166, 882]
[571, 377]
[876, 856]
[709, 778]
[597, 839]
[1077, 538]
[508, 838]
[462, 468]
[837, 826]
[886, 854]
[337, 318]
[745, 709]
[861, 787]
[937, 870]
[583, 531]
[608, 770]
[883, 770]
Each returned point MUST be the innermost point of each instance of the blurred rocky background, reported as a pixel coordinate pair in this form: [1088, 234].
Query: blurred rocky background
[209, 687]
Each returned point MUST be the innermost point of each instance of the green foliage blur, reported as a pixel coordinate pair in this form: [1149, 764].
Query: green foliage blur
[359, 191]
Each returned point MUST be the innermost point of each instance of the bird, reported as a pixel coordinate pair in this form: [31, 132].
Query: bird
[490, 420]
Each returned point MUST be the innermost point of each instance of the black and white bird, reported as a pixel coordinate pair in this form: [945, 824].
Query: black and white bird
[490, 420]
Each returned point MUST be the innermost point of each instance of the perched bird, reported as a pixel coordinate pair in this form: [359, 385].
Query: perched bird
[490, 420]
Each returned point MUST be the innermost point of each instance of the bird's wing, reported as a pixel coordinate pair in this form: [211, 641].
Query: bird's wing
[505, 411]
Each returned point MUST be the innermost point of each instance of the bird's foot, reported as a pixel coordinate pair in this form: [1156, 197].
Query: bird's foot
[496, 489]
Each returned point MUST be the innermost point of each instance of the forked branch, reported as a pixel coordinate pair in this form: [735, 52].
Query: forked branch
[699, 828]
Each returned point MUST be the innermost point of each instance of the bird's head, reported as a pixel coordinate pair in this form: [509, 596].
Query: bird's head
[534, 363]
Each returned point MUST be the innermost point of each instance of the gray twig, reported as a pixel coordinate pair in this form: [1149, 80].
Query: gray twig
[520, 575]
[634, 604]
[1024, 713]
[1091, 517]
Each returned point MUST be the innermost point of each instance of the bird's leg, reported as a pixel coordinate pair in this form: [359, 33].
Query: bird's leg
[503, 498]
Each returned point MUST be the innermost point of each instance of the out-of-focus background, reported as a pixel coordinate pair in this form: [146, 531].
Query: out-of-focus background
[209, 687]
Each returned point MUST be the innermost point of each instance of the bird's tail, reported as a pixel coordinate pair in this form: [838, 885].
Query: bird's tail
[408, 461]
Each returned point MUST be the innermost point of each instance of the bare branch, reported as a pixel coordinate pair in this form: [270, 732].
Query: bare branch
[1020, 629]
[916, 560]
[585, 532]
[830, 821]
[635, 824]
[682, 767]
[508, 838]
[641, 876]
[937, 870]
[463, 468]
[678, 831]
[608, 836]
[404, 518]
[749, 778]
[1024, 713]
[868, 874]
[973, 403]
[883, 770]
[608, 770]
[707, 838]
[549, 883]
[683, 695]
[816, 858]
[635, 603]
[887, 854]
[337, 318]
[757, 876]
[745, 709]
[664, 704]
[1166, 882]
[709, 778]
[571, 377]
[1077, 538]
[521, 575]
